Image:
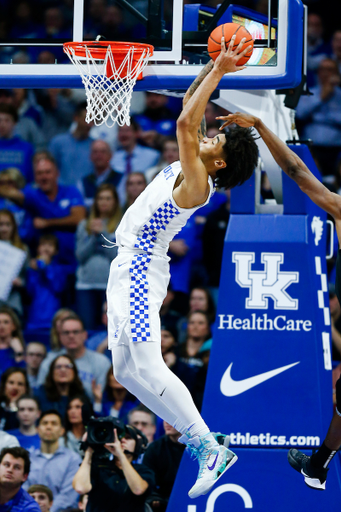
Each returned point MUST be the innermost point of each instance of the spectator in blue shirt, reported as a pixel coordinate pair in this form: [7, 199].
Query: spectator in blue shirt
[71, 150]
[131, 157]
[28, 415]
[52, 465]
[157, 121]
[14, 152]
[45, 281]
[14, 471]
[102, 173]
[55, 208]
[35, 354]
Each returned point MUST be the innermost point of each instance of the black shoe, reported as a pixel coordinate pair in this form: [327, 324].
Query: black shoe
[313, 477]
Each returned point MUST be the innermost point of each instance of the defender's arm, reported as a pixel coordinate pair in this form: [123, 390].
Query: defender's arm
[291, 164]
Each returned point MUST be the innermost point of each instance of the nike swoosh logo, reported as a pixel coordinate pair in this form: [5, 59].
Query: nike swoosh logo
[162, 392]
[214, 463]
[121, 265]
[230, 387]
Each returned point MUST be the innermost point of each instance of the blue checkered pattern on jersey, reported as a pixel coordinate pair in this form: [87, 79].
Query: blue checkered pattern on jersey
[159, 220]
[139, 309]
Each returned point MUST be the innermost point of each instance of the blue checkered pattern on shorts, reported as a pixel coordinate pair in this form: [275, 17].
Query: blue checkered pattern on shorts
[139, 310]
[159, 220]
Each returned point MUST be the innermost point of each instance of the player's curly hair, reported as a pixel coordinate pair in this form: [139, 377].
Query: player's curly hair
[240, 153]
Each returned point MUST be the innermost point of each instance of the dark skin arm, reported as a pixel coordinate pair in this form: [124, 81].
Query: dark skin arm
[293, 166]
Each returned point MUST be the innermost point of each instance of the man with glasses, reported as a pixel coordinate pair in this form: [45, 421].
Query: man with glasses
[53, 465]
[35, 354]
[92, 367]
[28, 415]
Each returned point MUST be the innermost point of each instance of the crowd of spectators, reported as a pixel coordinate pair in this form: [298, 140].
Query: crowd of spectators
[64, 186]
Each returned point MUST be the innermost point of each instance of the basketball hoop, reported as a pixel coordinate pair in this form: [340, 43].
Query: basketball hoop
[109, 71]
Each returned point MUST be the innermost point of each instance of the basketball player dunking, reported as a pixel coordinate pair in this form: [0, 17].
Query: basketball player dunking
[139, 275]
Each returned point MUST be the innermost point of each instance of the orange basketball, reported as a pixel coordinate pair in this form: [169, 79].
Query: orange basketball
[227, 30]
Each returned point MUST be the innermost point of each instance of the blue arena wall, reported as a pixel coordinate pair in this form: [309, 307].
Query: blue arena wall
[269, 383]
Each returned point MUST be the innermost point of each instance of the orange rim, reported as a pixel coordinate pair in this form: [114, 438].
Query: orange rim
[98, 49]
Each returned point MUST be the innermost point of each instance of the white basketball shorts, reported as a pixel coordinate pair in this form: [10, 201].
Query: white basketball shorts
[136, 288]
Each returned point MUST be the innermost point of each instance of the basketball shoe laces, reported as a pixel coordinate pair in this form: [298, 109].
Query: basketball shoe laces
[202, 454]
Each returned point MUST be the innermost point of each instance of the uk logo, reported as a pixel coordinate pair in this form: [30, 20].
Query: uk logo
[271, 282]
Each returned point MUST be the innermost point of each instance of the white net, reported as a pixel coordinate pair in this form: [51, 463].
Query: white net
[109, 81]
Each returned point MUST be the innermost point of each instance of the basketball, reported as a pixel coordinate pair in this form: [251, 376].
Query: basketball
[227, 30]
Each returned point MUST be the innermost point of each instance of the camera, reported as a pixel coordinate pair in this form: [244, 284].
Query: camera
[101, 431]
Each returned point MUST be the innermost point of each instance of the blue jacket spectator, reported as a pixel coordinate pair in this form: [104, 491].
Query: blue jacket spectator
[72, 150]
[46, 280]
[100, 156]
[181, 254]
[55, 208]
[14, 152]
[52, 465]
[14, 498]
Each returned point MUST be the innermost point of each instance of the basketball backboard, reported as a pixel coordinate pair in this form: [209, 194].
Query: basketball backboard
[179, 34]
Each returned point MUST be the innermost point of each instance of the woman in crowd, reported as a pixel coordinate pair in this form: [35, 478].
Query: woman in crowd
[94, 259]
[12, 345]
[9, 234]
[116, 401]
[13, 385]
[200, 299]
[198, 333]
[61, 385]
[74, 426]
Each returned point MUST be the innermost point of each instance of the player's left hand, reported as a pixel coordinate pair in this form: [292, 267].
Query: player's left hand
[243, 120]
[226, 62]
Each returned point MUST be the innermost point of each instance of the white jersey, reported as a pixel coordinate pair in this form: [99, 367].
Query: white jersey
[152, 221]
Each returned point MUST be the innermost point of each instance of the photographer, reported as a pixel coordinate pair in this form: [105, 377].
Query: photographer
[115, 484]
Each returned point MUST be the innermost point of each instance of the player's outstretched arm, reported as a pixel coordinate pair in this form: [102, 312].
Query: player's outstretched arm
[191, 90]
[291, 164]
[195, 186]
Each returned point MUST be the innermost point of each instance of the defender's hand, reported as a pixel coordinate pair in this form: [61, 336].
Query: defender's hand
[243, 120]
[226, 62]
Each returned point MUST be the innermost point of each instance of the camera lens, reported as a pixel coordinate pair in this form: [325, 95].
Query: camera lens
[101, 434]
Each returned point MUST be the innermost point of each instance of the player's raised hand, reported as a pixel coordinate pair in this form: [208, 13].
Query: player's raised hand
[243, 120]
[227, 60]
